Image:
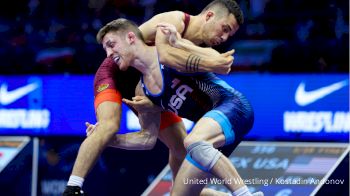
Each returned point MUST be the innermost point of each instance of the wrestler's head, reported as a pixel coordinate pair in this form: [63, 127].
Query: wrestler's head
[118, 38]
[222, 20]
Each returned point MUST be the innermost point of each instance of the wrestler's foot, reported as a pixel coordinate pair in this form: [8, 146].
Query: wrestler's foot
[73, 190]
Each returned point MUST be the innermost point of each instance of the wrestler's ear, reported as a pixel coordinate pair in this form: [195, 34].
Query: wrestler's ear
[131, 38]
[209, 14]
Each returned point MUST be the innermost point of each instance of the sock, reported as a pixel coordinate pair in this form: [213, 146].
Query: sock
[75, 181]
[243, 191]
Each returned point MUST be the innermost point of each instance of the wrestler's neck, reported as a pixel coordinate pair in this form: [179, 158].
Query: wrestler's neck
[193, 32]
[148, 65]
[146, 61]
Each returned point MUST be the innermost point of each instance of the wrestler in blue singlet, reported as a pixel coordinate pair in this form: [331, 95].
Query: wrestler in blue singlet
[194, 96]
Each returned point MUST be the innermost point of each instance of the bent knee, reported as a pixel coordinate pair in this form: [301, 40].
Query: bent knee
[203, 155]
[188, 141]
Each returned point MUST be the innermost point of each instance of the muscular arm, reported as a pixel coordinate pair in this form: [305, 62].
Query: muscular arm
[147, 137]
[149, 28]
[142, 140]
[184, 56]
[187, 57]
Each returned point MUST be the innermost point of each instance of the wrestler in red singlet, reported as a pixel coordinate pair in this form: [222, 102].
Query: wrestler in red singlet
[112, 84]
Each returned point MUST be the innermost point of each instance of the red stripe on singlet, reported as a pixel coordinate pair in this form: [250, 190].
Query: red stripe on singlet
[187, 21]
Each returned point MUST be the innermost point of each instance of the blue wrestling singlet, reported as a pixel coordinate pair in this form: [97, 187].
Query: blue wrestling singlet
[194, 96]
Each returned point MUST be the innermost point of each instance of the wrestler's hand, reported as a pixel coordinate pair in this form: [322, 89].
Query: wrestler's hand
[90, 128]
[222, 63]
[170, 31]
[140, 103]
[228, 53]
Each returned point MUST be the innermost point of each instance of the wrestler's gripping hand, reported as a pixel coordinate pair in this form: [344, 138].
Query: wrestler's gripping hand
[90, 128]
[142, 104]
[226, 63]
[171, 33]
[221, 62]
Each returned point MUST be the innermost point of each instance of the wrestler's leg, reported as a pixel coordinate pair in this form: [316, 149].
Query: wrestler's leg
[193, 182]
[209, 130]
[173, 137]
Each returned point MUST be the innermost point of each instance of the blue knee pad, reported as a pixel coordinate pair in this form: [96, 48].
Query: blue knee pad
[203, 155]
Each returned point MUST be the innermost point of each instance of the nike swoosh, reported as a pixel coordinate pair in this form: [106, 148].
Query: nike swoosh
[304, 98]
[8, 97]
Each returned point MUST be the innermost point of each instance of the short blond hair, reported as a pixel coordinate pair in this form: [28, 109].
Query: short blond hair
[120, 25]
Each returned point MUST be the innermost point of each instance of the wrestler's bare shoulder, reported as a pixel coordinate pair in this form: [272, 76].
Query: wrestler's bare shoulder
[173, 17]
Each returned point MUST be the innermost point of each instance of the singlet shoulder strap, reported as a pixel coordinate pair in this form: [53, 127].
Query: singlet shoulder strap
[186, 21]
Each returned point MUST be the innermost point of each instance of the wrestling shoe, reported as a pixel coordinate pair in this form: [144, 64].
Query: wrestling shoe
[73, 190]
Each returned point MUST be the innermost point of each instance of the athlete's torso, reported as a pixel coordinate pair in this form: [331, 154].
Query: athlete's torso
[188, 95]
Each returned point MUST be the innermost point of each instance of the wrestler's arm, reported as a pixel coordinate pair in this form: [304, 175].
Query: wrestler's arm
[149, 28]
[141, 140]
[145, 139]
[182, 55]
[185, 58]
[174, 38]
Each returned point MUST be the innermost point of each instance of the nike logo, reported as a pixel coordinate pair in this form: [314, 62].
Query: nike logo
[304, 98]
[8, 97]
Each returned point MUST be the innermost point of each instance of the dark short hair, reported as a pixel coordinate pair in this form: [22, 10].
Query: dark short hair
[232, 7]
[119, 25]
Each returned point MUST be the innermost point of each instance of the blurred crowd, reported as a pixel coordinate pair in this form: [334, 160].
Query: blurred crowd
[58, 36]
